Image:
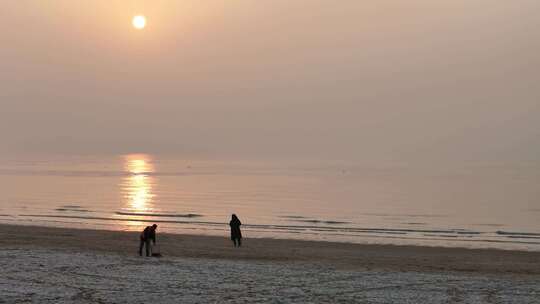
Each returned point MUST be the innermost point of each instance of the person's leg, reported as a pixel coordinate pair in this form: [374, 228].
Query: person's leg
[141, 247]
[234, 242]
[239, 242]
[148, 248]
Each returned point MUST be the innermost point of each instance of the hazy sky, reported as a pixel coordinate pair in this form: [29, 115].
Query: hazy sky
[340, 80]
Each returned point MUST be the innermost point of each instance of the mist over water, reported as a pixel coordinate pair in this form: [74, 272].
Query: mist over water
[471, 205]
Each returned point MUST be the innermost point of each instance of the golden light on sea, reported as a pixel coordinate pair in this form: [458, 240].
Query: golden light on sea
[139, 182]
[139, 22]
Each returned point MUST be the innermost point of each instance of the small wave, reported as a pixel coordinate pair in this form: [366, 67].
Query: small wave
[71, 210]
[490, 225]
[441, 235]
[322, 222]
[37, 216]
[517, 233]
[406, 215]
[188, 215]
[523, 237]
[468, 232]
[378, 232]
[405, 230]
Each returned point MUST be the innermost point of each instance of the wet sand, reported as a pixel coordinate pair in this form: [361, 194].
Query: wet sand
[342, 256]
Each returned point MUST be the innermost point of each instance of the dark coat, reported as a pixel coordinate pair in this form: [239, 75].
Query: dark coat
[235, 229]
[148, 234]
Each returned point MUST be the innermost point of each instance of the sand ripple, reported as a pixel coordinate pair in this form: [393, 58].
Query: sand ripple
[46, 276]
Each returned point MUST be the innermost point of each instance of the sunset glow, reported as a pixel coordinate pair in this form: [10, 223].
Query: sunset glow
[139, 22]
[307, 151]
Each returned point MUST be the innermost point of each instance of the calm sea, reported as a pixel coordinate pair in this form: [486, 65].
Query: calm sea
[471, 205]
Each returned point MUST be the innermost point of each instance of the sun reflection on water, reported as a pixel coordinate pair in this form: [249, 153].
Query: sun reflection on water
[137, 187]
[140, 193]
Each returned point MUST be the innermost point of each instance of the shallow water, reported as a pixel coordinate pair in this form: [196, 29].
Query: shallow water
[471, 205]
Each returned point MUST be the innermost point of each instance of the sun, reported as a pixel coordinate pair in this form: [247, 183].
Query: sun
[139, 22]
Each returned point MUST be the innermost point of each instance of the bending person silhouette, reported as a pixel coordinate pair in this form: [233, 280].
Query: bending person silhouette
[236, 234]
[148, 234]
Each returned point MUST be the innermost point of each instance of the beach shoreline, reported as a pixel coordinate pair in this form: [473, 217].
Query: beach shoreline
[346, 256]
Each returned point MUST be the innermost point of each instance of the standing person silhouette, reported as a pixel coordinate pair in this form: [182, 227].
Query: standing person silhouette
[236, 234]
[149, 234]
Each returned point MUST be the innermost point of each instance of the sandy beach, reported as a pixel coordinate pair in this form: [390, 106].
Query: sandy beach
[55, 265]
